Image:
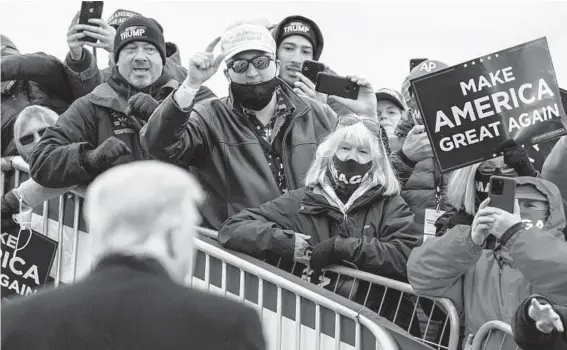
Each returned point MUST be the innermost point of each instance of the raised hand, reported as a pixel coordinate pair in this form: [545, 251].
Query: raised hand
[365, 104]
[482, 223]
[546, 319]
[306, 87]
[202, 66]
[416, 145]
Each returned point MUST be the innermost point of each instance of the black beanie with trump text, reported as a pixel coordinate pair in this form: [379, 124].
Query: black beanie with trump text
[139, 28]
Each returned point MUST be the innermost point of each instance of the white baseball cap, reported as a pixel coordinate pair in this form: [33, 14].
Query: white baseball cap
[246, 37]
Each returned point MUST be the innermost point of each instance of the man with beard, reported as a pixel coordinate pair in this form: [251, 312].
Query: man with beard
[257, 143]
[96, 133]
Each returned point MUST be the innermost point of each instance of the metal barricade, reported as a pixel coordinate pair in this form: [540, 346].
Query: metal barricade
[439, 334]
[281, 334]
[494, 335]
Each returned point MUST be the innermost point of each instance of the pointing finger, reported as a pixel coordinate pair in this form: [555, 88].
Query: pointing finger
[213, 44]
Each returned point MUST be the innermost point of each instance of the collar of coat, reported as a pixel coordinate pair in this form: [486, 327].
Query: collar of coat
[143, 264]
[301, 108]
[322, 199]
[105, 96]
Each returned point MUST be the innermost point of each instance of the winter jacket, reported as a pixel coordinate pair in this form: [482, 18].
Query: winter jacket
[129, 303]
[87, 75]
[31, 79]
[216, 139]
[376, 234]
[419, 184]
[55, 161]
[555, 168]
[528, 337]
[489, 285]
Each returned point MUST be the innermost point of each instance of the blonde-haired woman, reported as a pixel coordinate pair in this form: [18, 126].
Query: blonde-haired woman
[486, 260]
[349, 210]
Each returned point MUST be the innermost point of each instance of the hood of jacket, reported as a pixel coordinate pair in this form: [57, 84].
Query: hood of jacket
[172, 52]
[317, 51]
[556, 221]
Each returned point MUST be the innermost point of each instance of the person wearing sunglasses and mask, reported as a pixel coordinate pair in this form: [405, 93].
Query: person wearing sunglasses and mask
[350, 210]
[486, 260]
[255, 144]
[28, 129]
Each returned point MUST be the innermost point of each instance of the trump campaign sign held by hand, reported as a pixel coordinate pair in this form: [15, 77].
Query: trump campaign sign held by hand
[471, 108]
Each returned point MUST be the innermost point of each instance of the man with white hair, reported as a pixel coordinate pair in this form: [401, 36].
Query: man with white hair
[257, 143]
[142, 217]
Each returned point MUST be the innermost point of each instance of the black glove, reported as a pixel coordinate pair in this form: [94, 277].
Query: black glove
[10, 206]
[101, 158]
[516, 157]
[141, 106]
[323, 254]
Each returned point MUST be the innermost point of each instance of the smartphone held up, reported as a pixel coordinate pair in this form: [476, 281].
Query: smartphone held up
[90, 10]
[331, 84]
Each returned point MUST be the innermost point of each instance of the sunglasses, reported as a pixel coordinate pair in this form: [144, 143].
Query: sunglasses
[27, 139]
[241, 65]
[370, 124]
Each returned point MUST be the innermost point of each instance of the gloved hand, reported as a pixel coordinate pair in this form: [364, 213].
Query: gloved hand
[10, 206]
[101, 158]
[141, 106]
[323, 254]
[516, 157]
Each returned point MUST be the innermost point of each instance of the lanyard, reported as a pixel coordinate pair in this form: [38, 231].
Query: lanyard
[438, 178]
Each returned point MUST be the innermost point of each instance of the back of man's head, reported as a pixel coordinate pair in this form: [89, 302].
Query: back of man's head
[145, 208]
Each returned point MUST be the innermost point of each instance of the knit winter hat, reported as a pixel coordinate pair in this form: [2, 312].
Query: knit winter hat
[139, 28]
[299, 25]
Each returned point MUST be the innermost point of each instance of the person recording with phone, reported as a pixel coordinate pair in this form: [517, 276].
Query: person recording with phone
[487, 260]
[257, 143]
[97, 33]
[99, 130]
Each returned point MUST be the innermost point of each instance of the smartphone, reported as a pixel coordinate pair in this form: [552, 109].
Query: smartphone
[502, 193]
[89, 10]
[414, 62]
[331, 84]
[311, 69]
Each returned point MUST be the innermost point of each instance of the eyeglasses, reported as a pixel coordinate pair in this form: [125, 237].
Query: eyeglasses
[241, 65]
[27, 139]
[370, 124]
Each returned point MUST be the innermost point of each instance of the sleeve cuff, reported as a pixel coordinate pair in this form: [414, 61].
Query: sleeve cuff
[82, 64]
[405, 159]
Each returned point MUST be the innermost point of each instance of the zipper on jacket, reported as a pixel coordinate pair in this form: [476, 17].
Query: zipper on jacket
[284, 149]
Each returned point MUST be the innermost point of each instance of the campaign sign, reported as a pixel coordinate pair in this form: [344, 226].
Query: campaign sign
[25, 264]
[471, 108]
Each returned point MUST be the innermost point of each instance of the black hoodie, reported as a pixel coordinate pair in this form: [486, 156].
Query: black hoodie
[277, 32]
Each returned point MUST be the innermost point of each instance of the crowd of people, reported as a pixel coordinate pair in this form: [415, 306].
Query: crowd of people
[286, 172]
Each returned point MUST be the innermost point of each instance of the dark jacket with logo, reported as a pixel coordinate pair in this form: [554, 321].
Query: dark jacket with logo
[128, 303]
[55, 161]
[376, 234]
[31, 79]
[216, 139]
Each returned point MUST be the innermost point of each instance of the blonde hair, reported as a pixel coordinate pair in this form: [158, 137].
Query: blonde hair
[461, 191]
[382, 172]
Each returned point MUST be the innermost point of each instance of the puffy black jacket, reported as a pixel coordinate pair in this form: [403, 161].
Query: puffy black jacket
[31, 79]
[217, 140]
[376, 234]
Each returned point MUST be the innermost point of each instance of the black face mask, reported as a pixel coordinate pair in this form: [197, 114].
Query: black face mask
[254, 97]
[349, 175]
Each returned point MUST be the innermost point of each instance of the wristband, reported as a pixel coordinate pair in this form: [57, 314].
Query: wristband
[189, 90]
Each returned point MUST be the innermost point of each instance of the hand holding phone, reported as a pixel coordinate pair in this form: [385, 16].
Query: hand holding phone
[331, 84]
[90, 10]
[502, 193]
[310, 69]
